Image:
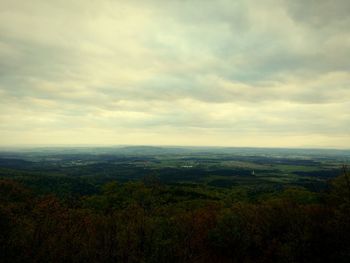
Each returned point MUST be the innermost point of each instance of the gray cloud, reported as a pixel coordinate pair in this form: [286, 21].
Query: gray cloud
[273, 72]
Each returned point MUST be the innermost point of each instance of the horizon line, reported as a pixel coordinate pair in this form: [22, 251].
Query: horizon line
[29, 146]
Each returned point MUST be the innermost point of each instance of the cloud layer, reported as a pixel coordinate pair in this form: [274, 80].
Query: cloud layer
[231, 73]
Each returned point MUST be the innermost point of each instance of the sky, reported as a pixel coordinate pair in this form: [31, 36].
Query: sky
[267, 73]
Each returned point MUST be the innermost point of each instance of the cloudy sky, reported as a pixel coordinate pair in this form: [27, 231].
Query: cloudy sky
[187, 72]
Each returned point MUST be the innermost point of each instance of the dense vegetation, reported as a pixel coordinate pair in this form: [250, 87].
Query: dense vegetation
[49, 216]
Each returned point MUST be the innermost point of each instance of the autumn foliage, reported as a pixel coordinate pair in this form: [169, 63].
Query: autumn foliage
[139, 222]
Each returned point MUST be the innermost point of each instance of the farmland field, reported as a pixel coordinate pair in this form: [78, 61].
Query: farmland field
[209, 168]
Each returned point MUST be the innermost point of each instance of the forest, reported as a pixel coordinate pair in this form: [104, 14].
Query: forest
[161, 205]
